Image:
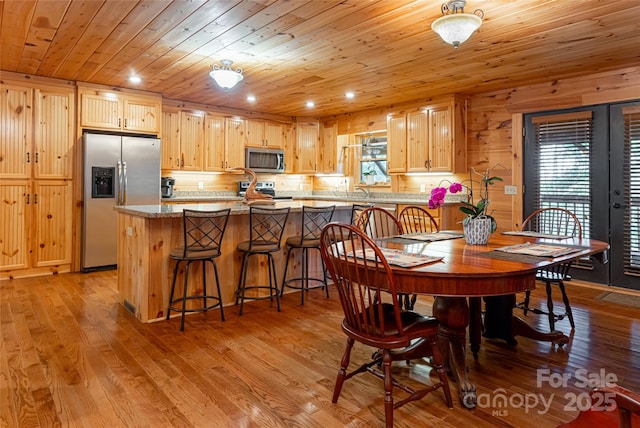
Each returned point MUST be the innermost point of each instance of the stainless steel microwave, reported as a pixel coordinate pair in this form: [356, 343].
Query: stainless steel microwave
[264, 160]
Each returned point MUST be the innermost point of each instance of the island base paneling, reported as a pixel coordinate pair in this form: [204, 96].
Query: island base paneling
[145, 271]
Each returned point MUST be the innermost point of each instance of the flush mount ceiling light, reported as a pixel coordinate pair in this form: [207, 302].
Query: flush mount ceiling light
[455, 26]
[225, 76]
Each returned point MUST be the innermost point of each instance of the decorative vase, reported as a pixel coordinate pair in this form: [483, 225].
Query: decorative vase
[477, 230]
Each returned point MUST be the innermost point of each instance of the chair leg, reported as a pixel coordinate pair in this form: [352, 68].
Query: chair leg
[388, 388]
[527, 297]
[286, 268]
[273, 281]
[324, 274]
[215, 273]
[567, 306]
[552, 317]
[241, 282]
[173, 287]
[304, 284]
[204, 284]
[438, 363]
[342, 372]
[184, 295]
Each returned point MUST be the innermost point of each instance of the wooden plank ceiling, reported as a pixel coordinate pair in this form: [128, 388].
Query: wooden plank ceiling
[293, 51]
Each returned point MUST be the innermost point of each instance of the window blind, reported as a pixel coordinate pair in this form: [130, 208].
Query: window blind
[564, 148]
[632, 190]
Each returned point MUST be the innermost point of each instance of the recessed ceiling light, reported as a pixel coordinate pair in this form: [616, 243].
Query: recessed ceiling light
[135, 79]
[311, 104]
[350, 95]
[251, 98]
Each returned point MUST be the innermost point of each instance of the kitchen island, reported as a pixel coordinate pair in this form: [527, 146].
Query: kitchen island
[147, 233]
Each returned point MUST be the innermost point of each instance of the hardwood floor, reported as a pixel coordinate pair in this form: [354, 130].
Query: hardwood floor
[70, 355]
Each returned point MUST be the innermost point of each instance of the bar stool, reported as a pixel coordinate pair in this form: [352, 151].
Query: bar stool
[313, 220]
[356, 212]
[203, 232]
[266, 226]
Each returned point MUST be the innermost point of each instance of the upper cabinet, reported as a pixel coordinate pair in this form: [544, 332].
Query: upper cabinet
[182, 140]
[36, 132]
[396, 143]
[308, 136]
[328, 155]
[235, 128]
[261, 133]
[119, 111]
[430, 138]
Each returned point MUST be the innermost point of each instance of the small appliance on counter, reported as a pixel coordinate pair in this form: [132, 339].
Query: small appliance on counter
[266, 187]
[166, 186]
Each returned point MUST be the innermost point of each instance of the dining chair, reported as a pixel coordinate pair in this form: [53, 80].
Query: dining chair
[415, 219]
[377, 222]
[356, 211]
[202, 233]
[612, 407]
[373, 318]
[560, 222]
[313, 219]
[266, 227]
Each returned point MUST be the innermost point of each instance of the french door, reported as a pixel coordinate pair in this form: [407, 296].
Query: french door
[587, 160]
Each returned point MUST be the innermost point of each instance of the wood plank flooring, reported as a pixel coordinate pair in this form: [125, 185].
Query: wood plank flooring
[71, 356]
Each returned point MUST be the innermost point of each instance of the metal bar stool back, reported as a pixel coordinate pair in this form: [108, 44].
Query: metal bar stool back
[314, 219]
[266, 227]
[202, 236]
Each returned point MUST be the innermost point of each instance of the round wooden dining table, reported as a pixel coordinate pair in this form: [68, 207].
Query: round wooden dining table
[473, 272]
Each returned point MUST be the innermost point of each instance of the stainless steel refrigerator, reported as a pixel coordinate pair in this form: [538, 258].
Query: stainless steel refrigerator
[118, 170]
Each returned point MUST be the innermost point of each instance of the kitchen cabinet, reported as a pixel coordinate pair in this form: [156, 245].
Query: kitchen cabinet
[330, 151]
[436, 137]
[214, 143]
[37, 143]
[308, 140]
[260, 133]
[170, 145]
[118, 111]
[182, 140]
[396, 143]
[235, 129]
[191, 141]
[429, 139]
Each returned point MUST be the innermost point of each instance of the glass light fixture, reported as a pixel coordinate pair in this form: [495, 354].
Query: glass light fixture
[225, 76]
[455, 26]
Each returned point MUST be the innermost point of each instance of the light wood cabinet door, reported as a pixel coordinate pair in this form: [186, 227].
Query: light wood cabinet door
[418, 152]
[170, 144]
[16, 118]
[329, 149]
[191, 141]
[308, 146]
[273, 135]
[51, 222]
[103, 111]
[14, 242]
[396, 143]
[214, 131]
[54, 136]
[234, 142]
[441, 138]
[264, 134]
[141, 115]
[289, 147]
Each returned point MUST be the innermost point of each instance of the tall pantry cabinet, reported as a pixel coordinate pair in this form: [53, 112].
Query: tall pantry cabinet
[36, 156]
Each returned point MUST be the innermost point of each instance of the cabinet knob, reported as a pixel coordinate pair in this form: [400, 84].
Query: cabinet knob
[119, 122]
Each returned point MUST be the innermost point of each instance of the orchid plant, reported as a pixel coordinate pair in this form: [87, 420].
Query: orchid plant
[472, 210]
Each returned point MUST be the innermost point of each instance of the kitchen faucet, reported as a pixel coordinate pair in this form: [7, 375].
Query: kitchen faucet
[366, 191]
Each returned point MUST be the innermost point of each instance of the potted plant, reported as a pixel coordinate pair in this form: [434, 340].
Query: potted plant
[369, 176]
[478, 224]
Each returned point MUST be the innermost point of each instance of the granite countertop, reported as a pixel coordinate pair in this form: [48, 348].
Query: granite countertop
[357, 197]
[237, 207]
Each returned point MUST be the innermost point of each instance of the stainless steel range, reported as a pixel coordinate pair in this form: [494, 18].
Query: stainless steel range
[266, 187]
